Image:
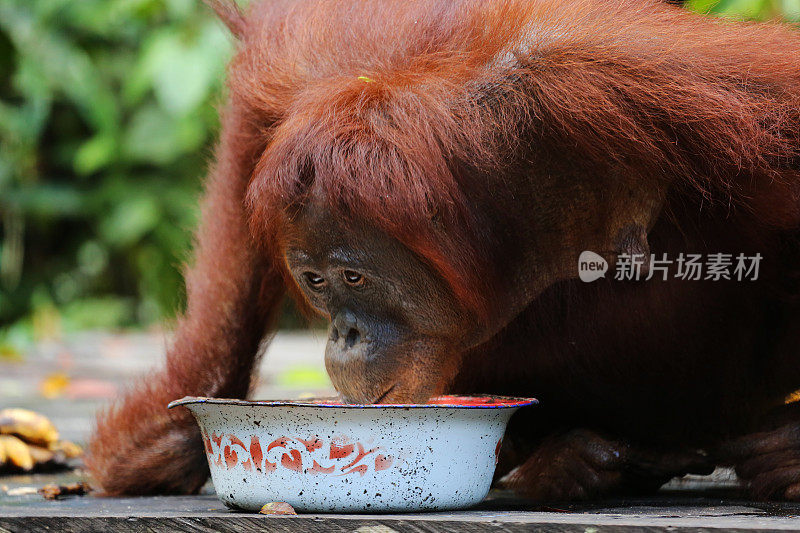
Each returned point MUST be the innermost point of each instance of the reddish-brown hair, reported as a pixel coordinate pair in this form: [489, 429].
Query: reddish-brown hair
[392, 127]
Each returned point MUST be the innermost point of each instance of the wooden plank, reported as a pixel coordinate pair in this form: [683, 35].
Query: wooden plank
[680, 511]
[364, 524]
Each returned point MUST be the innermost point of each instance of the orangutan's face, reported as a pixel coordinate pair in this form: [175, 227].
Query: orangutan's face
[396, 330]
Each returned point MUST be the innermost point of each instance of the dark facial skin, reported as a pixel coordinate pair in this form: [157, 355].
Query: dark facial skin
[394, 322]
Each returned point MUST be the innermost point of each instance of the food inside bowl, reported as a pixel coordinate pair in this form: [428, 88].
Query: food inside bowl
[326, 456]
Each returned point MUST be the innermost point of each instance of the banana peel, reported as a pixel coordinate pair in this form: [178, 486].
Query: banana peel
[68, 449]
[41, 455]
[17, 452]
[29, 442]
[28, 425]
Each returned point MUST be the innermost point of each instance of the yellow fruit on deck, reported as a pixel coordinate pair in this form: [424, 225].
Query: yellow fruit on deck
[16, 451]
[41, 455]
[70, 450]
[30, 426]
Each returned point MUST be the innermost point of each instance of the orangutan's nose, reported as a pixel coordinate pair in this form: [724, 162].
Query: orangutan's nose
[345, 328]
[361, 356]
[348, 359]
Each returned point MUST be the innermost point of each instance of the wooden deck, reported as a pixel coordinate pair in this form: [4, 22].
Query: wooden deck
[205, 513]
[98, 364]
[703, 504]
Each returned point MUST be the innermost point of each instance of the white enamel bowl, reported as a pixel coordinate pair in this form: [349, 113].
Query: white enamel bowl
[324, 456]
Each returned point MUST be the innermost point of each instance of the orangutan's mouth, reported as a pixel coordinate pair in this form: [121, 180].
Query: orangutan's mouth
[385, 394]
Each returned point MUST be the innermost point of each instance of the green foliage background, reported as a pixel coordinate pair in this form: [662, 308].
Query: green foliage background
[106, 119]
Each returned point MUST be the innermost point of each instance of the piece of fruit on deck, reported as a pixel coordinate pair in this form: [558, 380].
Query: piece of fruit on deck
[16, 452]
[31, 427]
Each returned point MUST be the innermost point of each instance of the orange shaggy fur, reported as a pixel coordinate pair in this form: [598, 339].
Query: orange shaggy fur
[386, 100]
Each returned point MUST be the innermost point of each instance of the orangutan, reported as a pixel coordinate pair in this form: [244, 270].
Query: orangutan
[426, 173]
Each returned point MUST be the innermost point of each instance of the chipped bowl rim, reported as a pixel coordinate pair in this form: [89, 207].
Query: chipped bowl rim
[490, 402]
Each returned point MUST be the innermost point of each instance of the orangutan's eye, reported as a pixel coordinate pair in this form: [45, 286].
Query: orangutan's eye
[351, 277]
[315, 281]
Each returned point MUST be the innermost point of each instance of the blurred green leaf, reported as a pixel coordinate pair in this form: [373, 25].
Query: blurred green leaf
[186, 68]
[701, 6]
[155, 137]
[98, 313]
[95, 154]
[16, 338]
[130, 220]
[45, 200]
[791, 9]
[749, 9]
[151, 136]
[22, 125]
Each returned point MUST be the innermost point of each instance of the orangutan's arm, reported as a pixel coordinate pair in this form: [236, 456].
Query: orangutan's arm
[233, 296]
